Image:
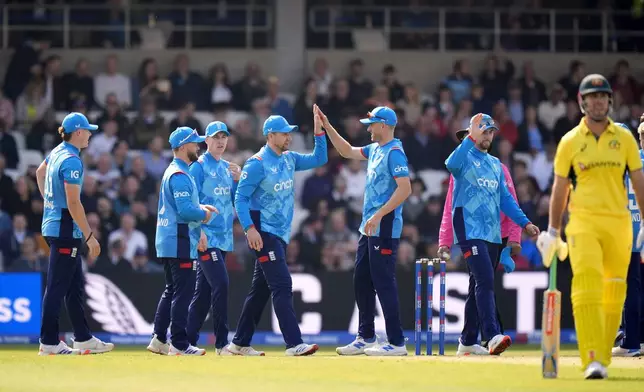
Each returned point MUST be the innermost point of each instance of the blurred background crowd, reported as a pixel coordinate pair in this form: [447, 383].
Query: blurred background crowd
[137, 112]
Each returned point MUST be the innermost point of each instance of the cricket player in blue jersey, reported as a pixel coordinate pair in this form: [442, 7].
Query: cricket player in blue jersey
[216, 181]
[179, 220]
[388, 186]
[264, 204]
[65, 227]
[480, 194]
[631, 343]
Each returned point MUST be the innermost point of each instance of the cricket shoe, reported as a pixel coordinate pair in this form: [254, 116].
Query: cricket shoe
[224, 351]
[93, 346]
[356, 347]
[475, 349]
[244, 351]
[57, 349]
[386, 350]
[595, 371]
[626, 352]
[156, 346]
[618, 338]
[499, 344]
[302, 350]
[191, 351]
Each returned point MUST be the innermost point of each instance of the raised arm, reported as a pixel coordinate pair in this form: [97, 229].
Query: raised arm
[458, 157]
[317, 158]
[345, 149]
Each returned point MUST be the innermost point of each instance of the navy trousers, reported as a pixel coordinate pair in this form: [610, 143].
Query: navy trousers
[480, 304]
[64, 281]
[211, 293]
[271, 278]
[174, 302]
[633, 317]
[495, 264]
[375, 272]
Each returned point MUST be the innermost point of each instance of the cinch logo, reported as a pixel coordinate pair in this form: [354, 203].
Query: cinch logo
[283, 185]
[17, 311]
[181, 194]
[484, 182]
[222, 190]
[399, 169]
[163, 222]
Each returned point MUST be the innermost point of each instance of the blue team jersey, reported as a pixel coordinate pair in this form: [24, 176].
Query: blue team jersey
[480, 195]
[63, 166]
[179, 215]
[265, 195]
[385, 164]
[216, 188]
[636, 217]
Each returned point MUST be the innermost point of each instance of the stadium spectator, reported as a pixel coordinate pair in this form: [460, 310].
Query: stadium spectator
[460, 81]
[112, 81]
[78, 85]
[132, 239]
[8, 147]
[32, 104]
[148, 84]
[323, 77]
[409, 101]
[107, 177]
[360, 88]
[251, 87]
[186, 117]
[279, 106]
[7, 113]
[186, 85]
[148, 124]
[219, 85]
[551, 110]
[390, 80]
[113, 112]
[104, 142]
[54, 83]
[318, 186]
[533, 90]
[30, 259]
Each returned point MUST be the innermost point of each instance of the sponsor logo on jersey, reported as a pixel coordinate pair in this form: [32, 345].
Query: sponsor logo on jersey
[75, 174]
[401, 169]
[283, 185]
[486, 183]
[599, 164]
[221, 190]
[181, 194]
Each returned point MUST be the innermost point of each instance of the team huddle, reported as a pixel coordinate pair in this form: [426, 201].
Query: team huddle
[200, 195]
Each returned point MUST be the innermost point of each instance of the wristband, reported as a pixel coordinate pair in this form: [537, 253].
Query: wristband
[553, 232]
[91, 234]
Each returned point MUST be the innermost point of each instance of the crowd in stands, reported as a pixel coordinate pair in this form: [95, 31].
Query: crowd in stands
[136, 113]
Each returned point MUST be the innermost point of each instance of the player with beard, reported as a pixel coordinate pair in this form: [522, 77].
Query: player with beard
[179, 222]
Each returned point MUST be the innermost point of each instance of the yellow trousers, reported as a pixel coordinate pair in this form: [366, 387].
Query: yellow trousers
[600, 250]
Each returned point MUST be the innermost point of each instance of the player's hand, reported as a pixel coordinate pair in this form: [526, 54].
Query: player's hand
[209, 210]
[94, 247]
[323, 117]
[443, 253]
[506, 260]
[532, 230]
[203, 242]
[371, 226]
[235, 170]
[515, 247]
[254, 239]
[475, 126]
[317, 121]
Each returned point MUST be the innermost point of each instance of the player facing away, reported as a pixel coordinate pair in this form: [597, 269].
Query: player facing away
[388, 186]
[264, 203]
[632, 342]
[480, 195]
[589, 166]
[510, 239]
[216, 181]
[179, 220]
[65, 227]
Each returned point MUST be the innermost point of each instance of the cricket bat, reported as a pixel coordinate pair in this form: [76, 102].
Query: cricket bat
[551, 325]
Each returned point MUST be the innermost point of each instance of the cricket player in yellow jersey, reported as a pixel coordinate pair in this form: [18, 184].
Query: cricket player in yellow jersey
[590, 165]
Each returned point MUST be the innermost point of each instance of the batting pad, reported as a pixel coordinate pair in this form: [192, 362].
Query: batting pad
[614, 297]
[588, 310]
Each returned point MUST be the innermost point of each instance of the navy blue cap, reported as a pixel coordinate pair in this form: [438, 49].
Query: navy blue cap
[381, 114]
[278, 124]
[184, 135]
[487, 122]
[215, 127]
[75, 121]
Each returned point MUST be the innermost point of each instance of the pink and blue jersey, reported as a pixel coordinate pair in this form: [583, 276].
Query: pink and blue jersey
[480, 195]
[385, 164]
[636, 216]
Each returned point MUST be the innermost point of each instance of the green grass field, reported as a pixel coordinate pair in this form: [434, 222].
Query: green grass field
[134, 369]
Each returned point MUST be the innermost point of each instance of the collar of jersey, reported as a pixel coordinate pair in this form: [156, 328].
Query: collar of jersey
[478, 152]
[71, 147]
[585, 130]
[270, 152]
[180, 164]
[210, 157]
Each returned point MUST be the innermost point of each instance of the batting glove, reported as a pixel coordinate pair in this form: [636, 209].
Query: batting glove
[550, 243]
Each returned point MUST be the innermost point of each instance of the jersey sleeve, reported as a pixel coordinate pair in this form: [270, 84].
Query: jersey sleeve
[317, 158]
[633, 160]
[510, 207]
[454, 163]
[563, 158]
[251, 176]
[398, 166]
[182, 192]
[72, 170]
[366, 150]
[196, 171]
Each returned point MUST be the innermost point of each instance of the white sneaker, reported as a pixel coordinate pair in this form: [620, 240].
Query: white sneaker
[93, 346]
[386, 350]
[499, 344]
[191, 350]
[642, 348]
[246, 351]
[626, 352]
[302, 350]
[158, 347]
[57, 349]
[595, 371]
[224, 351]
[475, 349]
[356, 347]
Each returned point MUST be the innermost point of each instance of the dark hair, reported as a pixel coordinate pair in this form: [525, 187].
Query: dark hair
[66, 136]
[220, 67]
[142, 77]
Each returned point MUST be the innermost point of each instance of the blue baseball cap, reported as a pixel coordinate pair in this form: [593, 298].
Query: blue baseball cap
[487, 122]
[278, 124]
[184, 135]
[215, 127]
[622, 125]
[381, 114]
[75, 121]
